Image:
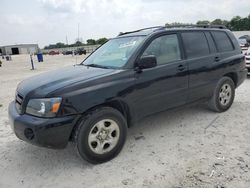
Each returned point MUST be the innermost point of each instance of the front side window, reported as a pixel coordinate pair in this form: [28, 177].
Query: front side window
[165, 49]
[195, 44]
[115, 53]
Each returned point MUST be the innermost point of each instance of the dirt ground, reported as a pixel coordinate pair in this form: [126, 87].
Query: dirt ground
[186, 147]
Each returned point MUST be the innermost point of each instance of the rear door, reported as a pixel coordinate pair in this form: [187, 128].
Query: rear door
[224, 46]
[201, 55]
[165, 85]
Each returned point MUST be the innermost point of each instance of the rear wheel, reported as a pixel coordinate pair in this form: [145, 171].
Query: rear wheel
[101, 135]
[223, 95]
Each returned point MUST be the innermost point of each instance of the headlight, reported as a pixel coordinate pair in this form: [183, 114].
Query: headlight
[47, 107]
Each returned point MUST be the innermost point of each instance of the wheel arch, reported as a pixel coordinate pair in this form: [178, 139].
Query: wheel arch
[119, 105]
[233, 76]
[122, 107]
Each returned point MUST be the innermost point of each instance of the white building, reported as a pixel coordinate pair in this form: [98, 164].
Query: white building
[19, 49]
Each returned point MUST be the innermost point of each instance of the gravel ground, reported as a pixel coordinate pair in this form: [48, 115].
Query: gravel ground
[186, 147]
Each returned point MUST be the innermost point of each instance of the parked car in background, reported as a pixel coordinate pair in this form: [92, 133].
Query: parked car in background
[247, 55]
[243, 43]
[132, 76]
[53, 52]
[67, 52]
[80, 51]
[247, 37]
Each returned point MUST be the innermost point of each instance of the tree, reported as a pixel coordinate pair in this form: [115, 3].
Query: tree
[101, 41]
[203, 22]
[225, 23]
[176, 24]
[217, 22]
[235, 23]
[91, 42]
[78, 43]
[57, 45]
[245, 24]
[60, 45]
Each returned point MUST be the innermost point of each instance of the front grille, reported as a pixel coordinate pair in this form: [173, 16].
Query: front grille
[248, 58]
[19, 102]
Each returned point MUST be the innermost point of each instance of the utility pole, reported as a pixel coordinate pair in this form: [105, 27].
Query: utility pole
[67, 40]
[78, 32]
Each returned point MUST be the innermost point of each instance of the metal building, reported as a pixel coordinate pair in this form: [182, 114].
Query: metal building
[19, 49]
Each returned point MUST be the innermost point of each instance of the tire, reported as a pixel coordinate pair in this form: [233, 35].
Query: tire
[100, 135]
[223, 95]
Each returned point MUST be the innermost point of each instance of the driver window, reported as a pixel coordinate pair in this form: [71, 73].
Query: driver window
[165, 49]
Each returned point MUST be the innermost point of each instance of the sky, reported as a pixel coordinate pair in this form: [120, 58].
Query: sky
[50, 21]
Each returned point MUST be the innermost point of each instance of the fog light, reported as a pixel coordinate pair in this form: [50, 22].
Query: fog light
[29, 134]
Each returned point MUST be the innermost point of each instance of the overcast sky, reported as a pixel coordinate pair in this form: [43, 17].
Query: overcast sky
[50, 21]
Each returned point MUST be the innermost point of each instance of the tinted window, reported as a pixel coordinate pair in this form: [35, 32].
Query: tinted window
[222, 41]
[211, 42]
[165, 48]
[195, 44]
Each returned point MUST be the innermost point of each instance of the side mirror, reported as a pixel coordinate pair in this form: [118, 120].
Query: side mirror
[147, 62]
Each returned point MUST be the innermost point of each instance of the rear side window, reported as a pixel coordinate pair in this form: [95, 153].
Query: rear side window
[222, 41]
[195, 44]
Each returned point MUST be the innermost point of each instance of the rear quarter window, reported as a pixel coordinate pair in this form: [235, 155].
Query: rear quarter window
[195, 43]
[223, 42]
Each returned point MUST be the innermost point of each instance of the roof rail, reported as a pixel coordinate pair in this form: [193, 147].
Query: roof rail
[147, 28]
[196, 26]
[175, 26]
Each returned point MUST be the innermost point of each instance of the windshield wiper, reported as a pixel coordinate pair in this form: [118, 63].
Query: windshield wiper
[96, 65]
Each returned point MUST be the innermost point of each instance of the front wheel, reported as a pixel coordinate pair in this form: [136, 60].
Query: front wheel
[101, 135]
[223, 95]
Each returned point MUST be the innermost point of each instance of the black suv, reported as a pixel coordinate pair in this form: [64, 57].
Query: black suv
[131, 76]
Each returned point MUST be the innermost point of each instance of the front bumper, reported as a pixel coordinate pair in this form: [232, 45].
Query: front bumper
[46, 132]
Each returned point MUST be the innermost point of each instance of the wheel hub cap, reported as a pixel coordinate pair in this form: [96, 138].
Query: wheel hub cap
[225, 94]
[104, 136]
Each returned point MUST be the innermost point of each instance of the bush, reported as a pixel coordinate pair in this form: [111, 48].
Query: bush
[0, 63]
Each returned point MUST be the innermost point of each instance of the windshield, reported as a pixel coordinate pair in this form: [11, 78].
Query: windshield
[115, 53]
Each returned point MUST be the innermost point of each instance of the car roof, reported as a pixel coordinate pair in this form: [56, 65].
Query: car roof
[159, 29]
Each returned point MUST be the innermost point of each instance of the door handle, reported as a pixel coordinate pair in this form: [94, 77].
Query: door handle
[217, 59]
[181, 67]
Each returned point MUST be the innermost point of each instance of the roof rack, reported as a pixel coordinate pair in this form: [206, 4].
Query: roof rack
[196, 26]
[147, 28]
[157, 28]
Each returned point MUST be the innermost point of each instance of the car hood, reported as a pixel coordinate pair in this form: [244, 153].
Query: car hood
[43, 84]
